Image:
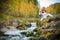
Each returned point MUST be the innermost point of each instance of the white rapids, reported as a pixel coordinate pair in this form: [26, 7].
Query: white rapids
[17, 33]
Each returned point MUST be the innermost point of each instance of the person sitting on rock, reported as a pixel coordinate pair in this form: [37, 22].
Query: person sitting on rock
[43, 15]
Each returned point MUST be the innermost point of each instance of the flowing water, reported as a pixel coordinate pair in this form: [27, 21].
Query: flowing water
[15, 34]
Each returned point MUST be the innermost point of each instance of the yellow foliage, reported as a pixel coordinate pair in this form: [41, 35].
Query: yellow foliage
[20, 8]
[44, 22]
[48, 33]
[27, 8]
[48, 9]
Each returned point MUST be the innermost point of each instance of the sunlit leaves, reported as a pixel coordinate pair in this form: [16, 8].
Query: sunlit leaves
[54, 8]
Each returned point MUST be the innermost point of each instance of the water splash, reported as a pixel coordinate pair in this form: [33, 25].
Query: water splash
[15, 34]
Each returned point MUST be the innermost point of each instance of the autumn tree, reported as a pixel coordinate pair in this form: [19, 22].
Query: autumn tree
[54, 8]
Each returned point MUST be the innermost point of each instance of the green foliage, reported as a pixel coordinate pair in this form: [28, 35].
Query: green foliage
[29, 1]
[35, 2]
[57, 7]
[1, 17]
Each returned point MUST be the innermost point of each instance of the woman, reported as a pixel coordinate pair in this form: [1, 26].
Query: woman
[43, 15]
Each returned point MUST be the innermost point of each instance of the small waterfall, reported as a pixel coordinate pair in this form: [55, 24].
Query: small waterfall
[15, 34]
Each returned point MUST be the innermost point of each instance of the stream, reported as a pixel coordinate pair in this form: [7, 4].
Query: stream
[15, 34]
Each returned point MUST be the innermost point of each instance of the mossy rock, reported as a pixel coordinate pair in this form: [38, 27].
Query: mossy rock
[24, 33]
[37, 29]
[29, 34]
